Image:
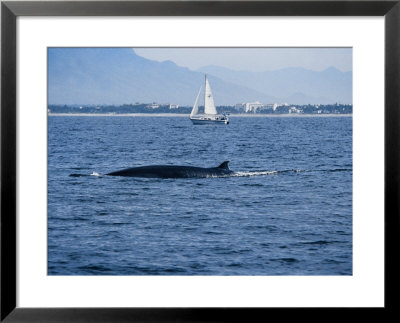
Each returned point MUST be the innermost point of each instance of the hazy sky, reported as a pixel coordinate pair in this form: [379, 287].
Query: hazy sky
[254, 59]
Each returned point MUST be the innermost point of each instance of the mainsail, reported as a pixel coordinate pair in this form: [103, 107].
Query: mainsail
[195, 109]
[209, 107]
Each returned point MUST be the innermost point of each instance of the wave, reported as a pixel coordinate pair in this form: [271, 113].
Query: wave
[266, 172]
[254, 173]
[85, 175]
[286, 171]
[250, 173]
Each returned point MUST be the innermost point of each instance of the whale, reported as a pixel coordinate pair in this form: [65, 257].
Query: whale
[171, 171]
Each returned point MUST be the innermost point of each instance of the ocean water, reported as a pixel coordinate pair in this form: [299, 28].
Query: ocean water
[287, 209]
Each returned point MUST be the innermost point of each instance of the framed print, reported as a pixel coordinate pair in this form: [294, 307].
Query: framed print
[129, 194]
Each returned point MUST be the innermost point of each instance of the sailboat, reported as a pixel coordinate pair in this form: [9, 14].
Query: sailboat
[210, 115]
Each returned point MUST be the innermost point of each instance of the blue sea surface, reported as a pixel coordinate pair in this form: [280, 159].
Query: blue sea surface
[287, 209]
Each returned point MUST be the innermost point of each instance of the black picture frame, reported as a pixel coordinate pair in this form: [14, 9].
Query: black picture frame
[10, 10]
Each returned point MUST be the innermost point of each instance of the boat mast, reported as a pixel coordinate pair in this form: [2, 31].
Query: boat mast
[205, 92]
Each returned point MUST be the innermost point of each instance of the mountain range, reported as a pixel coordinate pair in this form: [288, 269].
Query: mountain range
[119, 76]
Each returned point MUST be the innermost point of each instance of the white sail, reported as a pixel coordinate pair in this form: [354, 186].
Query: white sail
[209, 107]
[195, 109]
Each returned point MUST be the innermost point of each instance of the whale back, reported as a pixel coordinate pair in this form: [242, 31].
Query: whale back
[171, 171]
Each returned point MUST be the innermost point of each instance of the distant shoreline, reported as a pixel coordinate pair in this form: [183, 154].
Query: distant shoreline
[186, 115]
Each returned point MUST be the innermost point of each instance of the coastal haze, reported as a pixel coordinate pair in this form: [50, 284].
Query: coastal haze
[117, 76]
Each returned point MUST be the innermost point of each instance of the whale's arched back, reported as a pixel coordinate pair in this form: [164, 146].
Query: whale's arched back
[171, 171]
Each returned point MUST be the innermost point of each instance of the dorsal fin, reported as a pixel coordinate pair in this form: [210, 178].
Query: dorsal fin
[224, 165]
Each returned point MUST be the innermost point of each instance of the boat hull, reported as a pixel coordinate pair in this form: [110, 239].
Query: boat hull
[209, 121]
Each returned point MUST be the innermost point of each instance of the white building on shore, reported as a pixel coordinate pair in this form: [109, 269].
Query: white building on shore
[295, 110]
[253, 106]
[256, 106]
[153, 106]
